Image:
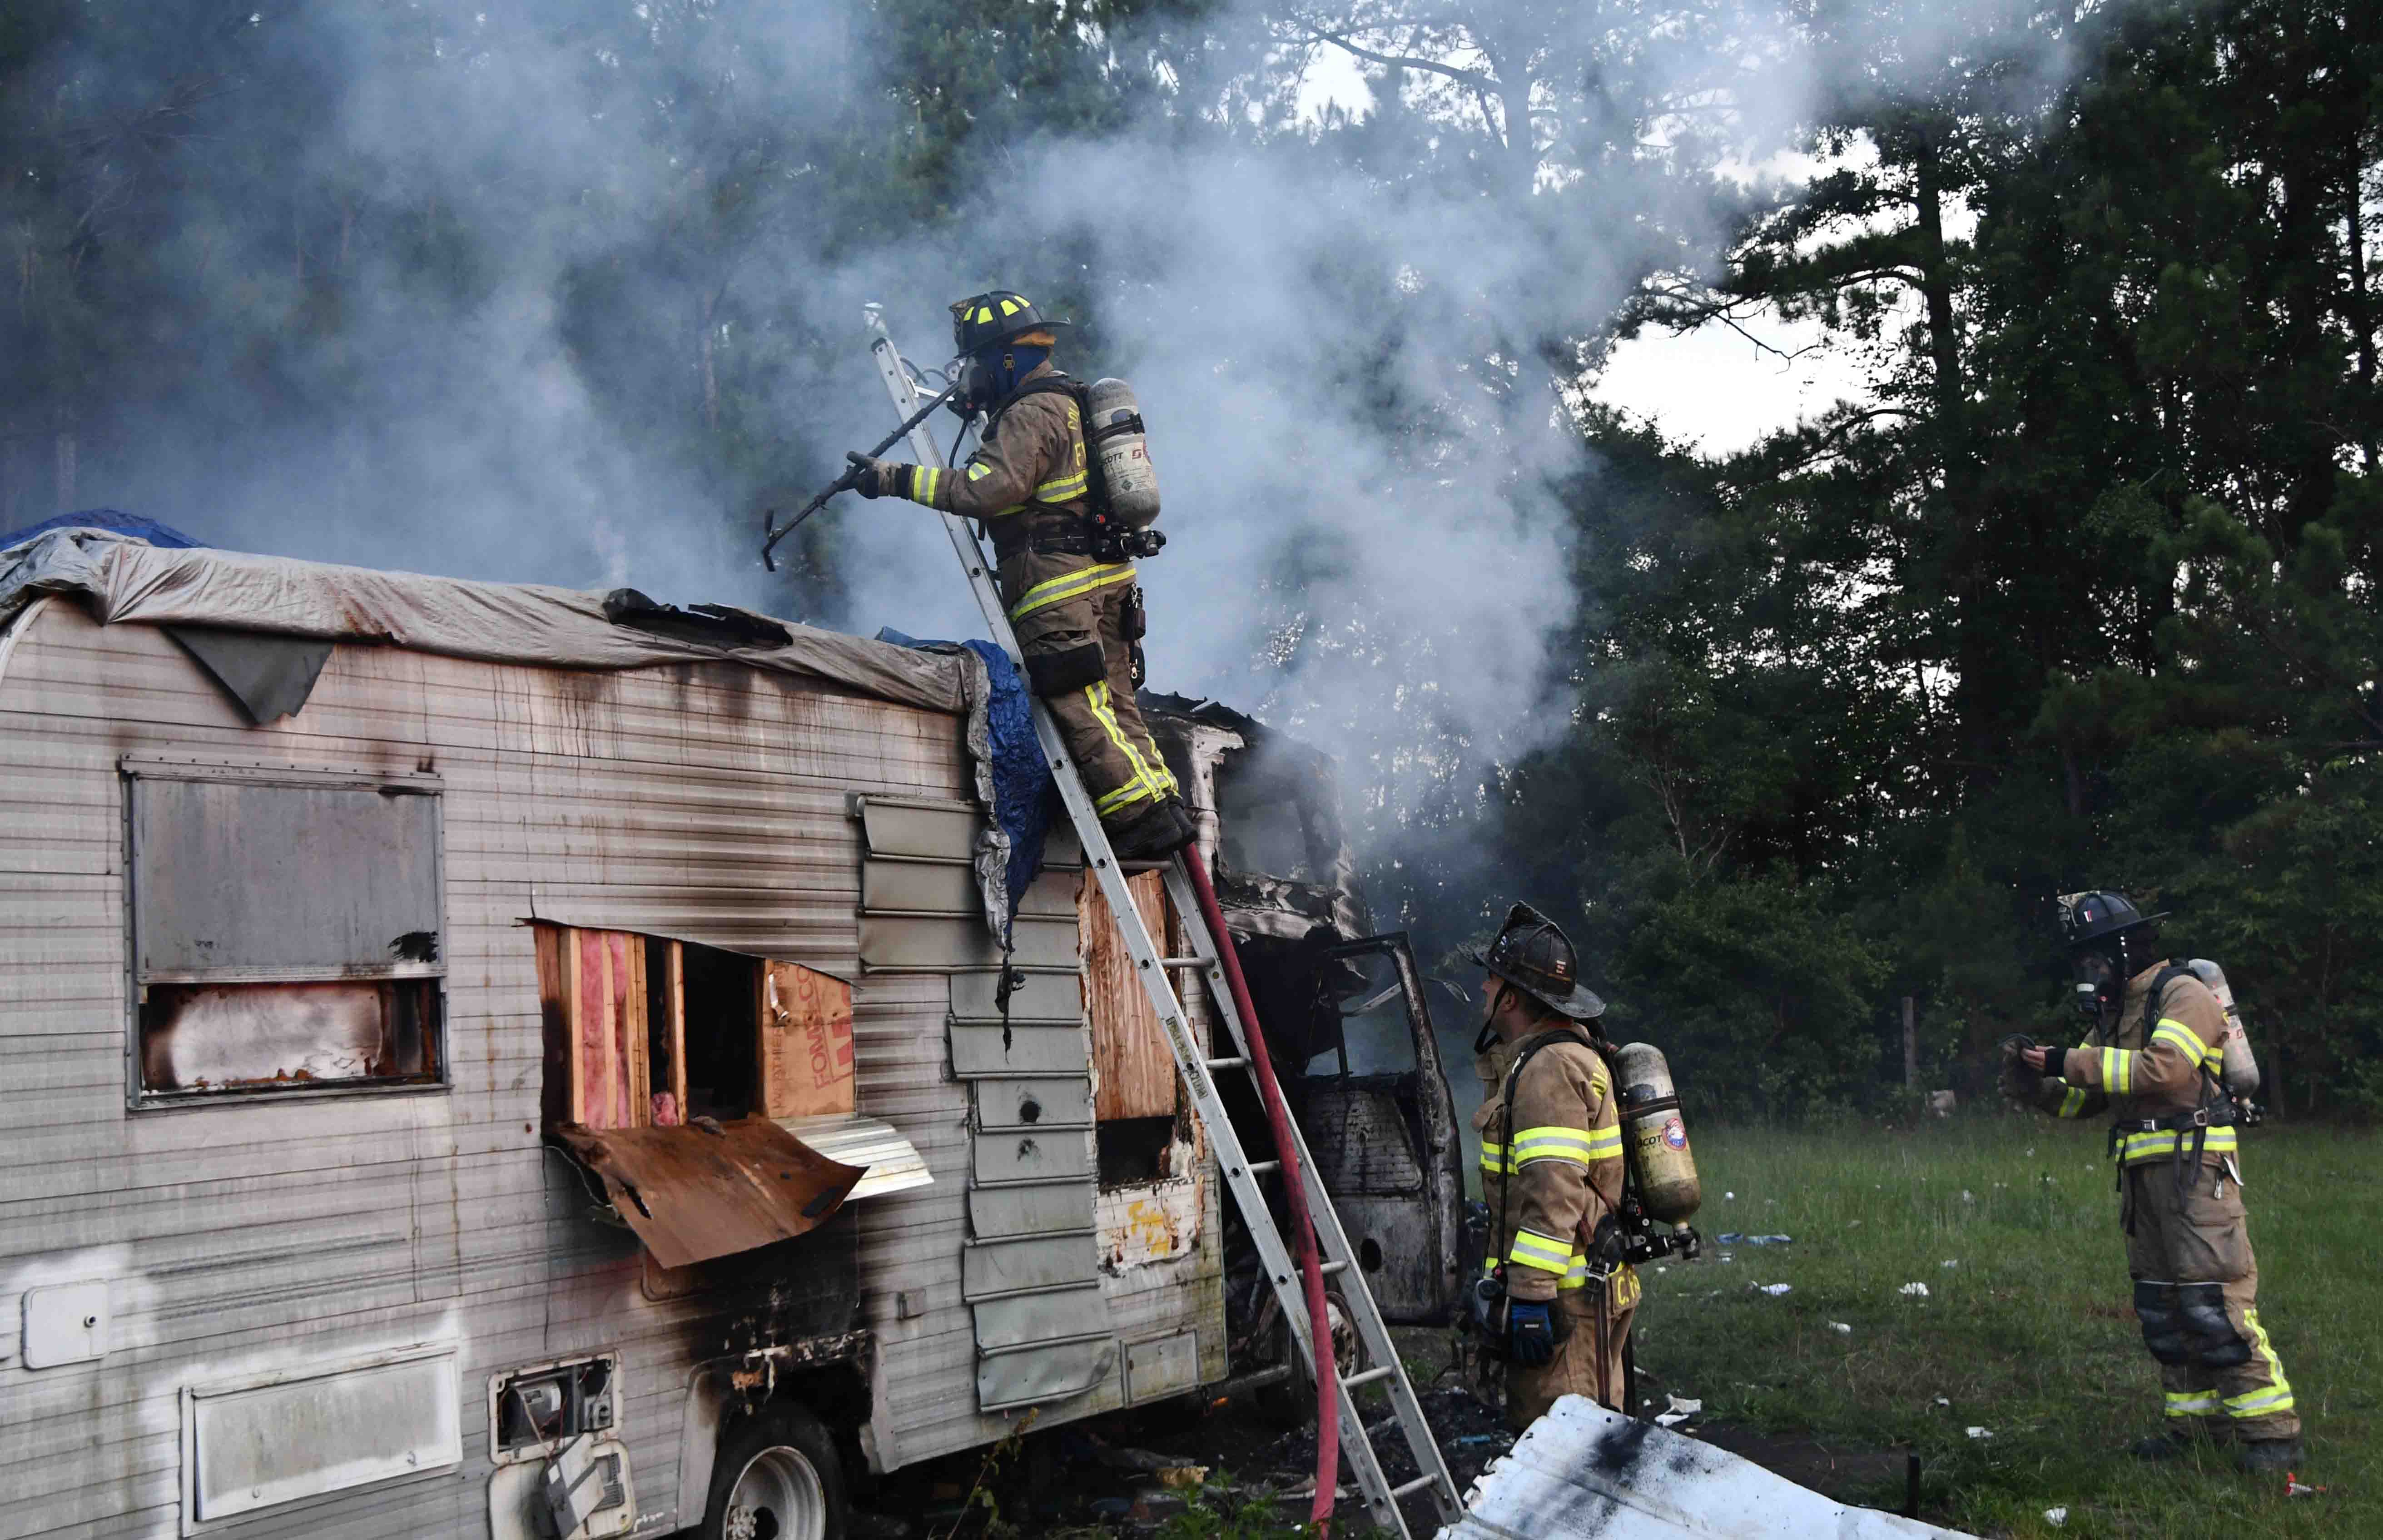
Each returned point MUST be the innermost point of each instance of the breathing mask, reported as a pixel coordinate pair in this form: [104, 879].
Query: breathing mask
[2100, 987]
[991, 378]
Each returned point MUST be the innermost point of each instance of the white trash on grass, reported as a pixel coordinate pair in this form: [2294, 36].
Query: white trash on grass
[2056, 1517]
[1914, 1290]
[1682, 1408]
[1842, 1329]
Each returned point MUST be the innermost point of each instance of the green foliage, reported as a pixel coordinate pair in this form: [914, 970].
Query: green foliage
[2086, 595]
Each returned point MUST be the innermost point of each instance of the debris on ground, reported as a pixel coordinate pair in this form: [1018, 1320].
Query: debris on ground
[1980, 1433]
[1914, 1290]
[2056, 1517]
[1772, 1289]
[1582, 1471]
[1682, 1408]
[1842, 1328]
[1734, 1238]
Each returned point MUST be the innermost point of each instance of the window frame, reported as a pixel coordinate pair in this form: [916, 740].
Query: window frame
[131, 770]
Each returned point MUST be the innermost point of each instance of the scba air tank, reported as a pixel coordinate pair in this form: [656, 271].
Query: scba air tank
[2240, 1071]
[1117, 443]
[1653, 1134]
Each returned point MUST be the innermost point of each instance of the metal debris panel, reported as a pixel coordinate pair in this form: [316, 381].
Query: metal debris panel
[1582, 1472]
[710, 1189]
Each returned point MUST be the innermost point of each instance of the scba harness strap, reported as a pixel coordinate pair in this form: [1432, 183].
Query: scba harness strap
[1104, 538]
[2218, 1109]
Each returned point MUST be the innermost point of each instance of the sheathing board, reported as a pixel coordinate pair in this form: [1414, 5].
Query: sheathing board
[700, 800]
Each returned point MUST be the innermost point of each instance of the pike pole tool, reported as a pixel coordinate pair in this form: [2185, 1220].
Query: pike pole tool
[845, 483]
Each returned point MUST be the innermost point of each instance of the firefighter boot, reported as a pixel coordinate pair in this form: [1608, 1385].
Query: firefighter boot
[1162, 828]
[2169, 1444]
[2271, 1454]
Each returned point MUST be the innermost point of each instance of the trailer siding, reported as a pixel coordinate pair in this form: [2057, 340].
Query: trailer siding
[700, 800]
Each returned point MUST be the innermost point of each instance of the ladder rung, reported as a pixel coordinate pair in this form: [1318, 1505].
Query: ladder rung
[1368, 1377]
[1333, 1269]
[1264, 1169]
[1228, 1063]
[1415, 1485]
[1183, 962]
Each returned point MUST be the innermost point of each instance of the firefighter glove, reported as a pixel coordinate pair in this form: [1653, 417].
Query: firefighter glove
[878, 478]
[1530, 1331]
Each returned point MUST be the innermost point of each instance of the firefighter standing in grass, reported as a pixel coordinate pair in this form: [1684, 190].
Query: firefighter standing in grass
[1076, 607]
[2153, 1060]
[1552, 1176]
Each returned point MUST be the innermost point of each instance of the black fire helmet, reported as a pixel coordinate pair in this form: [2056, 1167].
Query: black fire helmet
[1534, 956]
[986, 320]
[2089, 918]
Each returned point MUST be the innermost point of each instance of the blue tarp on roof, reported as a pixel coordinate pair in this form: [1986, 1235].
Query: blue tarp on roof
[164, 537]
[1021, 783]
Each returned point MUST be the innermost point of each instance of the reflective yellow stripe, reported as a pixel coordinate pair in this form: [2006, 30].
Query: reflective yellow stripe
[1065, 488]
[1558, 1143]
[2152, 1146]
[2192, 1403]
[1143, 783]
[1069, 585]
[979, 470]
[923, 481]
[2117, 1071]
[2074, 1102]
[2182, 1038]
[2259, 1403]
[1533, 1250]
[1132, 791]
[2276, 1397]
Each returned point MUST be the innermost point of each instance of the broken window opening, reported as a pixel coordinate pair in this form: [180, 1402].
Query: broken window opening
[651, 1031]
[201, 1038]
[285, 931]
[1135, 1149]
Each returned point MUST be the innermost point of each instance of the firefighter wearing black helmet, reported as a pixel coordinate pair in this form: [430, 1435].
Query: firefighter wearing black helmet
[1077, 614]
[2152, 1059]
[1551, 1172]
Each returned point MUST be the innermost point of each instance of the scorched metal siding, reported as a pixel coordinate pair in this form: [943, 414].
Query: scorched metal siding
[700, 800]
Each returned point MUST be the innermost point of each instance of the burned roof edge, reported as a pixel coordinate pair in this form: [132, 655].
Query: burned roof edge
[128, 581]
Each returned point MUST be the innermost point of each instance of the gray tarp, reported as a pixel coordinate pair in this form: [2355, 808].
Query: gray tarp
[125, 580]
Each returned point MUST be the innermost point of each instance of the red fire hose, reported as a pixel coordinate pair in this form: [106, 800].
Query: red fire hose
[1303, 1225]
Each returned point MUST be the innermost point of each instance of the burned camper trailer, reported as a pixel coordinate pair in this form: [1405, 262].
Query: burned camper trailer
[468, 1057]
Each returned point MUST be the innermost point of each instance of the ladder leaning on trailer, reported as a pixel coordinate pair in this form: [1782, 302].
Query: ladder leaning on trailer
[1241, 1175]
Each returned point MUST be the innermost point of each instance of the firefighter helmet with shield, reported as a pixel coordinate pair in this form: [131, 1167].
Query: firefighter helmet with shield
[2109, 941]
[1532, 954]
[986, 320]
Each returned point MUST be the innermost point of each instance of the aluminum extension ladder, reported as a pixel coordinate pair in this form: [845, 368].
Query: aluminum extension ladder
[1241, 1175]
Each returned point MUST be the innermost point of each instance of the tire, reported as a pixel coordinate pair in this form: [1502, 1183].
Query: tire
[1293, 1403]
[776, 1477]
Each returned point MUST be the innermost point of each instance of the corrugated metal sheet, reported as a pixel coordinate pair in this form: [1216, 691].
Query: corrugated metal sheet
[1582, 1472]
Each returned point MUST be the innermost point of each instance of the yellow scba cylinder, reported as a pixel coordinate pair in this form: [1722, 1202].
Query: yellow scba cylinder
[1654, 1135]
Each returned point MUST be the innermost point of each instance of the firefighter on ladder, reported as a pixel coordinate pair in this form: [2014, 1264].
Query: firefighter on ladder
[1551, 1174]
[1076, 607]
[2152, 1058]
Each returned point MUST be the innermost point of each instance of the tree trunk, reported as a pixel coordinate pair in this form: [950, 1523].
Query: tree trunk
[1973, 645]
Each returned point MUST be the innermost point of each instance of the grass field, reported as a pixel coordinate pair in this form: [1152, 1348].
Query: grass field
[2026, 1328]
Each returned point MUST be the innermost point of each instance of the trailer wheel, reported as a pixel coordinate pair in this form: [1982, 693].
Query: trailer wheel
[1293, 1403]
[777, 1478]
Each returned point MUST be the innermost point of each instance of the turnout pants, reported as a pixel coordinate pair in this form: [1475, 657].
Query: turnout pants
[1588, 1363]
[1075, 621]
[2197, 1297]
